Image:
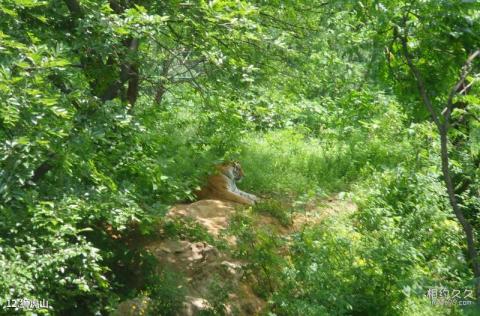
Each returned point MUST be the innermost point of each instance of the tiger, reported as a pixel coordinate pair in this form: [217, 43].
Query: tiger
[221, 185]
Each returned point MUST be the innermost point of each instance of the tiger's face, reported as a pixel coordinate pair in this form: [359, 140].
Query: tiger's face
[237, 171]
[232, 170]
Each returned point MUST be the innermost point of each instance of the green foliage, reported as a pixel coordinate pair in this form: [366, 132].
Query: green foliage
[292, 160]
[218, 297]
[380, 261]
[275, 209]
[189, 229]
[261, 247]
[166, 292]
[111, 111]
[45, 256]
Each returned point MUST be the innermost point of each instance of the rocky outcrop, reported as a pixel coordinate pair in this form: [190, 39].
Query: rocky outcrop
[202, 265]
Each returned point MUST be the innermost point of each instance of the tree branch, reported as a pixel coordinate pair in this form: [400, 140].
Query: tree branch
[418, 79]
[465, 71]
[443, 128]
[74, 8]
[128, 72]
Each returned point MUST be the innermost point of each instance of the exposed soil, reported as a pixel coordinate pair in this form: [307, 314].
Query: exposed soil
[203, 264]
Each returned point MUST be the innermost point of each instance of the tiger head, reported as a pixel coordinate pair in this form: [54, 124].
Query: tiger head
[232, 170]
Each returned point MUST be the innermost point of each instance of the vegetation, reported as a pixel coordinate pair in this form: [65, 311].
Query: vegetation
[111, 111]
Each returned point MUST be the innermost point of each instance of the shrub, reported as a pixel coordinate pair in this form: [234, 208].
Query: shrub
[380, 260]
[276, 209]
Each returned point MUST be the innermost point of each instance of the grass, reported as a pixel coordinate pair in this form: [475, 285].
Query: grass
[288, 162]
[275, 209]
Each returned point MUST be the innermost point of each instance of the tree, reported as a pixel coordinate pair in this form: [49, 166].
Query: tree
[429, 43]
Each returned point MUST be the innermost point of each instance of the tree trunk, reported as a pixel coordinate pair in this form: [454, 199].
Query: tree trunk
[466, 226]
[133, 85]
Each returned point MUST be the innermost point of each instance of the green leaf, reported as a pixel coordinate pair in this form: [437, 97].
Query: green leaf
[57, 63]
[10, 12]
[48, 101]
[60, 112]
[9, 114]
[29, 3]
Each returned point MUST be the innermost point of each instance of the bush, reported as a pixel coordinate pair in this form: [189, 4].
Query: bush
[380, 260]
[276, 209]
[261, 248]
[166, 292]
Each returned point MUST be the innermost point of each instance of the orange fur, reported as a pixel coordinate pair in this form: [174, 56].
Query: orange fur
[221, 185]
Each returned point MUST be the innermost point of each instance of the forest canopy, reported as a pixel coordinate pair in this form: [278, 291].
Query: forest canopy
[113, 111]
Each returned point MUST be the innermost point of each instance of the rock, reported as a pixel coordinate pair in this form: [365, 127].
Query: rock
[133, 307]
[233, 268]
[194, 305]
[203, 265]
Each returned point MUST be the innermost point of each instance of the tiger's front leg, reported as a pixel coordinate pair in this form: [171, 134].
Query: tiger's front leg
[237, 197]
[248, 196]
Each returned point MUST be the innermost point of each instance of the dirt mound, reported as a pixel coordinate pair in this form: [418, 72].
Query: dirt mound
[212, 214]
[204, 266]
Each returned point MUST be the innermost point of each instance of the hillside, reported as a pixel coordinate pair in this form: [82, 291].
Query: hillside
[203, 268]
[355, 123]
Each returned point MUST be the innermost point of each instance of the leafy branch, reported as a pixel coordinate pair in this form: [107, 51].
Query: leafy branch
[443, 126]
